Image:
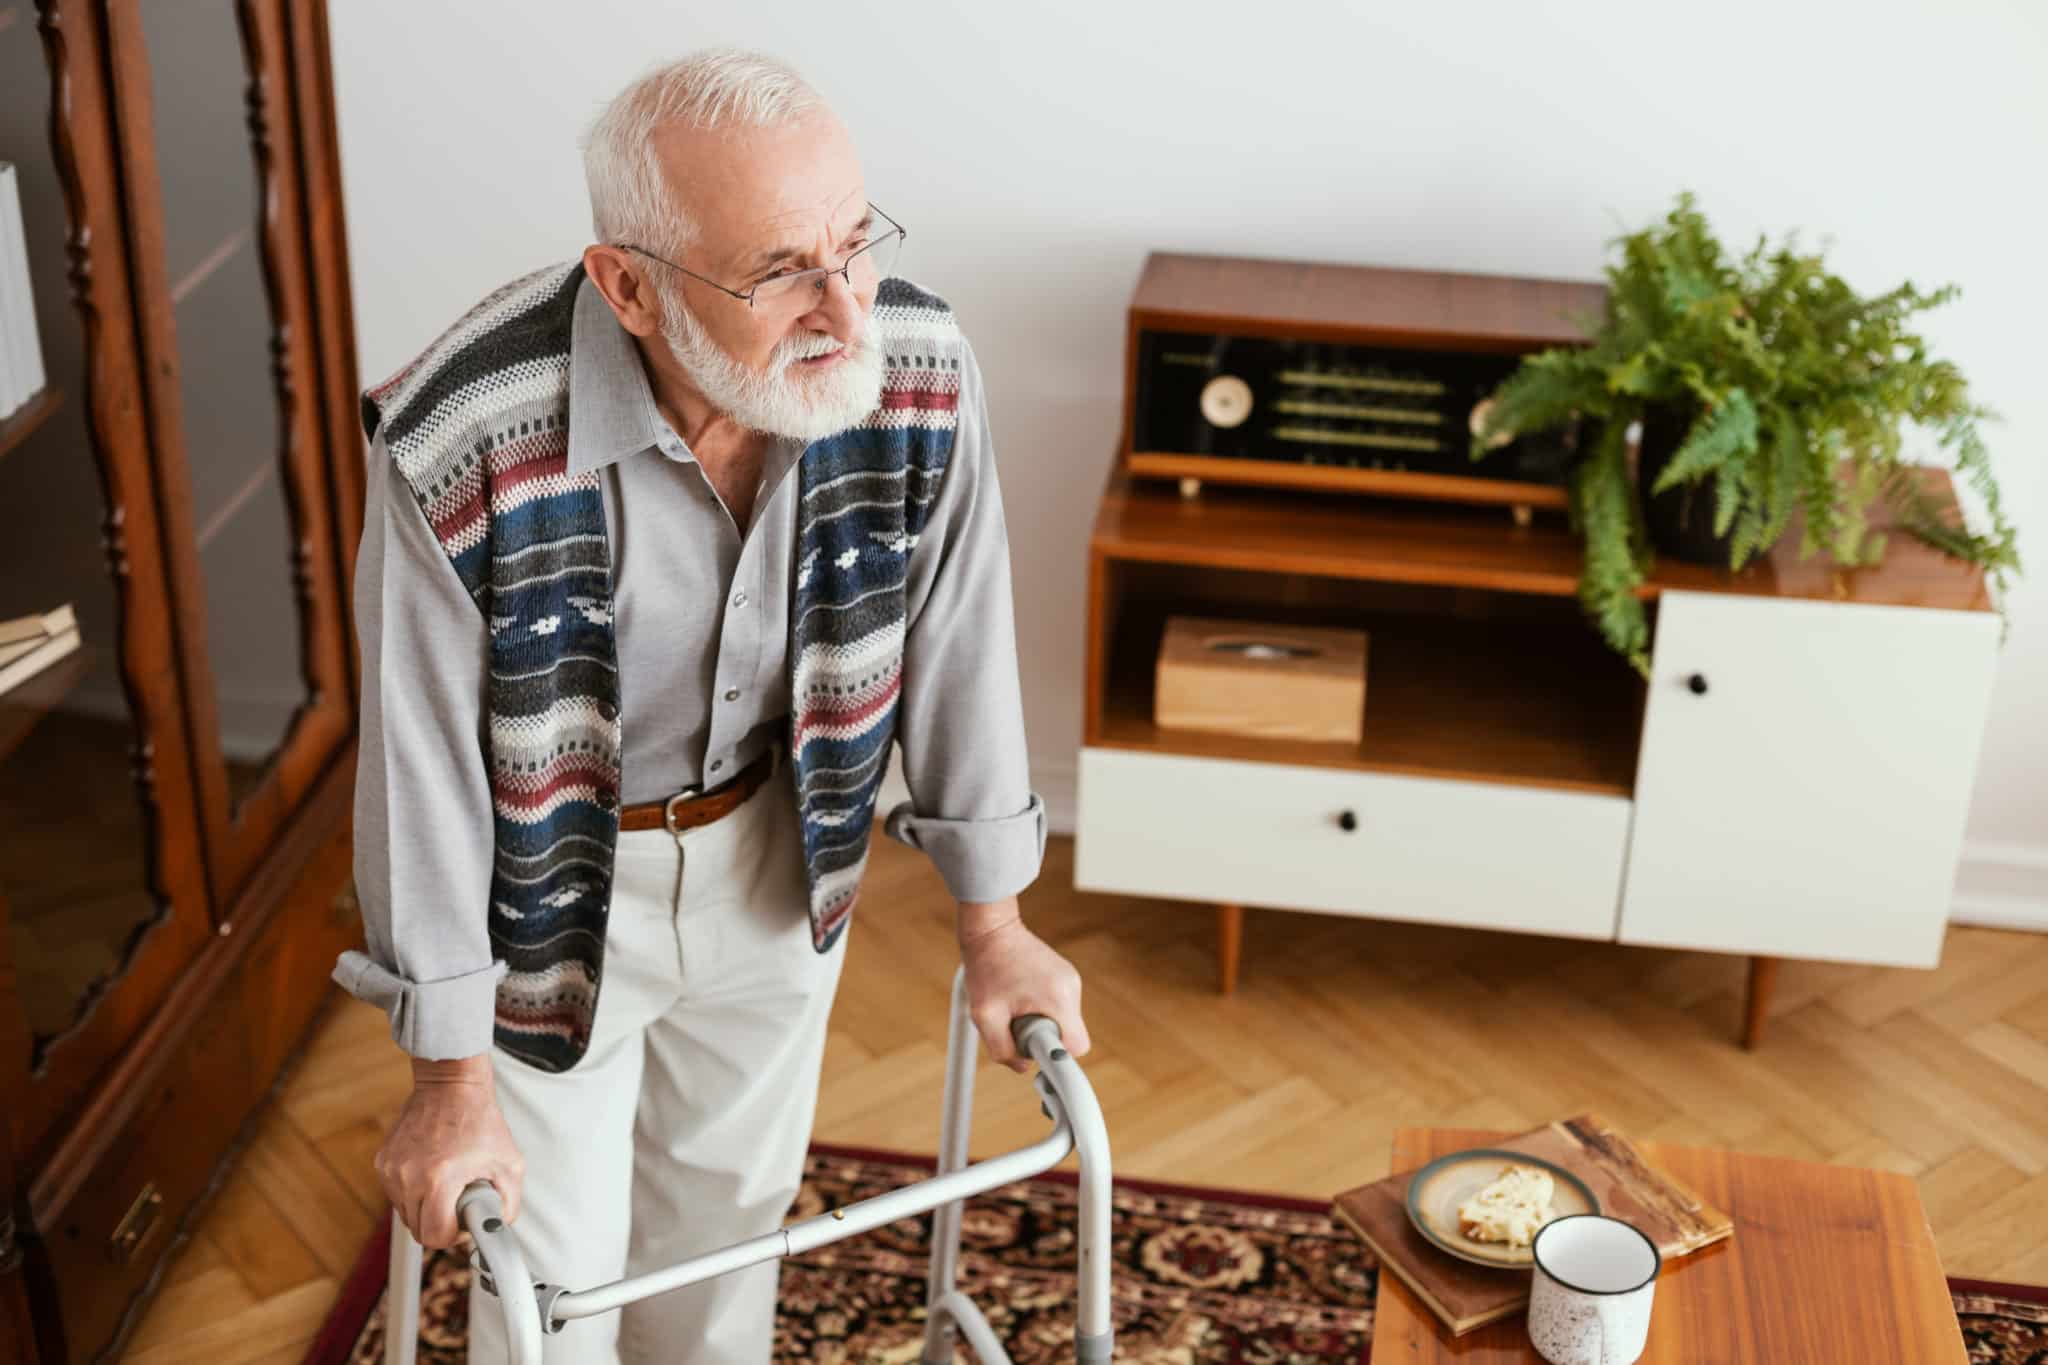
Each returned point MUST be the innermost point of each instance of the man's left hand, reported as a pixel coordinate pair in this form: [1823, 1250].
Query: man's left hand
[1013, 972]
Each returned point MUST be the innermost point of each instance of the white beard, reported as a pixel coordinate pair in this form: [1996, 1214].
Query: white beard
[776, 401]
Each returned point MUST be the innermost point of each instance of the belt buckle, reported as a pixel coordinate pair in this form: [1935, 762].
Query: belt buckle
[668, 807]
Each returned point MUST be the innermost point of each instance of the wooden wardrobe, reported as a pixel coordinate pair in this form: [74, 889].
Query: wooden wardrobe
[174, 794]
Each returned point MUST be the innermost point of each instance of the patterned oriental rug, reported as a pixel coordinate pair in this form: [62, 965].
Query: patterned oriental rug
[1202, 1276]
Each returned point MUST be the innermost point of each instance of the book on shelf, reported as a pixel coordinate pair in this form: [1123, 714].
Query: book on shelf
[1465, 1296]
[21, 352]
[29, 644]
[38, 625]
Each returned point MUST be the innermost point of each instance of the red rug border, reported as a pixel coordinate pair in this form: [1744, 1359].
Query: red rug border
[2036, 1294]
[366, 1280]
[352, 1306]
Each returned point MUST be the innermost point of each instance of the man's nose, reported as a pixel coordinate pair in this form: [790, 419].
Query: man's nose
[837, 309]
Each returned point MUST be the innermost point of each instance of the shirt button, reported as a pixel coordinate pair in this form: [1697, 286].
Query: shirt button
[739, 599]
[716, 764]
[732, 694]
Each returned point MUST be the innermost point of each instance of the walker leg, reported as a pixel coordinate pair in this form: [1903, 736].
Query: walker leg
[962, 1311]
[954, 1127]
[1094, 1334]
[402, 1289]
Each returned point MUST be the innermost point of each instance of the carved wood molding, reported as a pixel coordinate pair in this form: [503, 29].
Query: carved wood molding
[80, 253]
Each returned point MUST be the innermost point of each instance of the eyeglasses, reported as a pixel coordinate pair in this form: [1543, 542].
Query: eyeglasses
[792, 292]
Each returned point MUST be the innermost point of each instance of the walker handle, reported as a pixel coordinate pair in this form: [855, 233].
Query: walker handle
[485, 1196]
[481, 1208]
[1023, 1025]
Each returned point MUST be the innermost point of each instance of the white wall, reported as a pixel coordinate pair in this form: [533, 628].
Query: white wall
[1036, 153]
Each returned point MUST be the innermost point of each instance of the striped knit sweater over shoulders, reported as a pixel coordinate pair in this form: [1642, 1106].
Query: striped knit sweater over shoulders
[477, 427]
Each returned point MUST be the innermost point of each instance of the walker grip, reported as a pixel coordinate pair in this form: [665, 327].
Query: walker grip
[1021, 1026]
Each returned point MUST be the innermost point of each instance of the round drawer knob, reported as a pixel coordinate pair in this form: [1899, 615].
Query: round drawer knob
[1348, 820]
[1698, 683]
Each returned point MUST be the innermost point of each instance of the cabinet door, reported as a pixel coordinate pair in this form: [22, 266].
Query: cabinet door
[103, 899]
[226, 289]
[1804, 777]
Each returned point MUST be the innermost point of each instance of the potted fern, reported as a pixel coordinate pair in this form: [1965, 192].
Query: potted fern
[1764, 386]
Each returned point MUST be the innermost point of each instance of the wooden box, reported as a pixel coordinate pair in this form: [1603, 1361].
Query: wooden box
[1264, 680]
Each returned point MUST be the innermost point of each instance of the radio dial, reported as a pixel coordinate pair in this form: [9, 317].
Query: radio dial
[1478, 420]
[1226, 401]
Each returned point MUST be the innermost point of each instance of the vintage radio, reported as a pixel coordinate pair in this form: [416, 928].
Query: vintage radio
[1348, 378]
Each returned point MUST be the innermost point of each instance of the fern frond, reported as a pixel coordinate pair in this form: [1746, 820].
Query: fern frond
[1617, 554]
[1545, 391]
[1803, 387]
[1715, 439]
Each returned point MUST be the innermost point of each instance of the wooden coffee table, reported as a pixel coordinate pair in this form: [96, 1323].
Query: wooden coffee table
[1827, 1263]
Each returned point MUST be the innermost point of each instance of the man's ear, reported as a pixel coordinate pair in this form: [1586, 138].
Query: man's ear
[616, 273]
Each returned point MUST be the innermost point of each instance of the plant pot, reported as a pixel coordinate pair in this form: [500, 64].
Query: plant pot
[1680, 520]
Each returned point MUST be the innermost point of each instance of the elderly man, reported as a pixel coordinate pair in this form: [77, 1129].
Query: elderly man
[663, 547]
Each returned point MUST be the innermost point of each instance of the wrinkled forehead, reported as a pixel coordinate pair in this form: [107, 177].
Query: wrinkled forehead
[753, 190]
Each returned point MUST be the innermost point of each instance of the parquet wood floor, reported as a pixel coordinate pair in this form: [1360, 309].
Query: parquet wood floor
[1340, 1031]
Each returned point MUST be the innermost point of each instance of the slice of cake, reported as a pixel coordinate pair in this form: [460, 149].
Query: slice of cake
[1510, 1207]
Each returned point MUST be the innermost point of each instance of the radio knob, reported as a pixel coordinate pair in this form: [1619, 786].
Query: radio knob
[1226, 401]
[1478, 420]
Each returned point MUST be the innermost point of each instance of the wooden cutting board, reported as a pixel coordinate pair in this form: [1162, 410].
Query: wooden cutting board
[1466, 1296]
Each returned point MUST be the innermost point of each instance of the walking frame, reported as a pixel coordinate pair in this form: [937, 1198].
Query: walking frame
[534, 1308]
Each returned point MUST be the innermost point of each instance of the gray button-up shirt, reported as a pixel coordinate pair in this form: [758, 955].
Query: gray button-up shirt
[702, 613]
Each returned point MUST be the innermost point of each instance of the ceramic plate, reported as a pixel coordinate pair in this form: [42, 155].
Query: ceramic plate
[1440, 1187]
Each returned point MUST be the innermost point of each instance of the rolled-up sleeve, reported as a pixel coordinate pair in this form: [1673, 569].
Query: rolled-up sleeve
[971, 807]
[423, 819]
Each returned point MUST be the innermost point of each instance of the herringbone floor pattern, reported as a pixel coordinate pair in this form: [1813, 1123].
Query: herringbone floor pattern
[1341, 1030]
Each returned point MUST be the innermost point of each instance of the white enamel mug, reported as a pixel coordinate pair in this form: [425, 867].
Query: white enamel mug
[1589, 1303]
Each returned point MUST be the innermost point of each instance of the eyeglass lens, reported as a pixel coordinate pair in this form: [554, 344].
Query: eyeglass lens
[799, 289]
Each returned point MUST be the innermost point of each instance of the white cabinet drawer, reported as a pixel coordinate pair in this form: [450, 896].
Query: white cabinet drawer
[1805, 796]
[1270, 834]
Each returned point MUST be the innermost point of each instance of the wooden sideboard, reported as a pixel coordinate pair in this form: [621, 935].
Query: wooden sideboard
[1792, 781]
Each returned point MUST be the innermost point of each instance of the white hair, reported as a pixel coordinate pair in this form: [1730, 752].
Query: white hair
[630, 198]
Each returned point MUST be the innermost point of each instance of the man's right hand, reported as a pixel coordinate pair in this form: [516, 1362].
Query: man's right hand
[449, 1133]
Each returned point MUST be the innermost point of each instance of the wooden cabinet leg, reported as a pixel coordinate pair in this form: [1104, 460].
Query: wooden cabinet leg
[1763, 975]
[1229, 938]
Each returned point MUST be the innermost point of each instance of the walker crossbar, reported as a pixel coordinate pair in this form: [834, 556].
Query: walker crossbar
[533, 1307]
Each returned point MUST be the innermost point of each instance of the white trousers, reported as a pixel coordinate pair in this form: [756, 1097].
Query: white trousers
[683, 1129]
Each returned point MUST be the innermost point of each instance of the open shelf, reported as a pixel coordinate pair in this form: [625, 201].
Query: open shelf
[1446, 545]
[1480, 667]
[35, 696]
[1474, 700]
[20, 424]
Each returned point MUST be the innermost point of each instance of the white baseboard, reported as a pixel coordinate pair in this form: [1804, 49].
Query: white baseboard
[2002, 886]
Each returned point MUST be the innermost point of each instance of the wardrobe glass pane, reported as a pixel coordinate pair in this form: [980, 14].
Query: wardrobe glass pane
[235, 428]
[74, 839]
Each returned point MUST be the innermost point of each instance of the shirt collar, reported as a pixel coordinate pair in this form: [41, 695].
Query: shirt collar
[611, 409]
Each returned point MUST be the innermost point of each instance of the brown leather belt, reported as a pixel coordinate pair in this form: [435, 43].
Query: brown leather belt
[690, 807]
